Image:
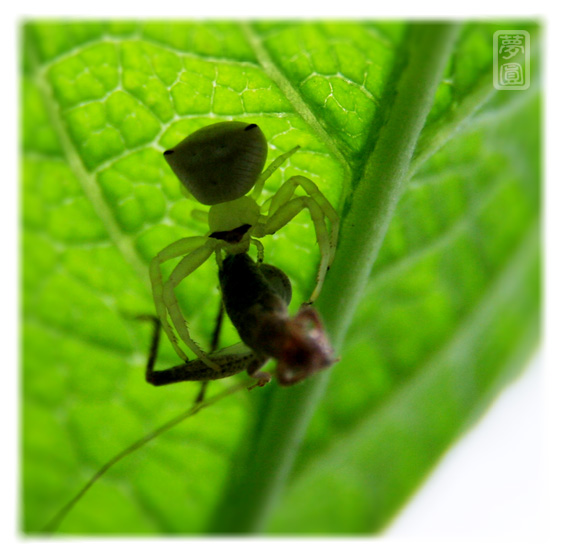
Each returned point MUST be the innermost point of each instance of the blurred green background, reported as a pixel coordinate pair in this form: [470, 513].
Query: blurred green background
[450, 315]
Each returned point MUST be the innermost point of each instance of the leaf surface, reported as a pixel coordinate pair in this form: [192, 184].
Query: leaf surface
[449, 317]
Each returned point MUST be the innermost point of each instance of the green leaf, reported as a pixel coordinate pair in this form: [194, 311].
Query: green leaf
[432, 302]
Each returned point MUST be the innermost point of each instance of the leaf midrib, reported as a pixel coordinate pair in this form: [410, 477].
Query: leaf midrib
[339, 450]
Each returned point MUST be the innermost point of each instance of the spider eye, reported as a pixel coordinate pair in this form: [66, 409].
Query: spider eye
[221, 162]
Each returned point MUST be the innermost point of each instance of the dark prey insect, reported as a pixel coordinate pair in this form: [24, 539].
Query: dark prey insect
[256, 298]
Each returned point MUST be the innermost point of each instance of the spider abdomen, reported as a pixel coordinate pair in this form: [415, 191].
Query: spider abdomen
[220, 162]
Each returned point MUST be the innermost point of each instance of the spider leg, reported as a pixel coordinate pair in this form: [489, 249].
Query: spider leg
[199, 215]
[272, 167]
[259, 250]
[287, 212]
[176, 249]
[187, 266]
[285, 193]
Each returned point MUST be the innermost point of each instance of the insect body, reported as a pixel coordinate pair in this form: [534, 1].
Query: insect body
[229, 361]
[222, 166]
[256, 297]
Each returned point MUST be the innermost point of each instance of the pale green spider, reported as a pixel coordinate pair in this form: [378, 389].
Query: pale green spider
[219, 165]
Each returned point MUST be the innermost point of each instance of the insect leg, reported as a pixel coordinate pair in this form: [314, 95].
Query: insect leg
[193, 370]
[227, 362]
[153, 350]
[212, 348]
[182, 372]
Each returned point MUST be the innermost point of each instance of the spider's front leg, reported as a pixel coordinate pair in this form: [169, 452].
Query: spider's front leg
[198, 250]
[283, 209]
[187, 266]
[285, 194]
[272, 167]
[174, 250]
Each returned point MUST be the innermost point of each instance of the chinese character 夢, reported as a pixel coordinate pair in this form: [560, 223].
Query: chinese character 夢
[511, 60]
